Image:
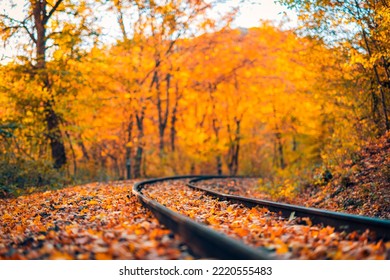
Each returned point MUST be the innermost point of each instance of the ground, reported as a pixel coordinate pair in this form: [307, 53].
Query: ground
[105, 220]
[364, 186]
[93, 221]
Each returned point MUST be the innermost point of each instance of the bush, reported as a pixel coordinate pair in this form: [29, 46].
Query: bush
[285, 185]
[22, 176]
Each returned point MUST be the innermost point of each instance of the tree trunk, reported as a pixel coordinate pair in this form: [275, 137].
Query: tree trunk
[173, 129]
[279, 144]
[73, 153]
[128, 163]
[218, 157]
[83, 148]
[162, 112]
[219, 164]
[216, 128]
[234, 148]
[234, 137]
[174, 118]
[129, 149]
[54, 135]
[139, 152]
[39, 13]
[374, 105]
[138, 162]
[236, 151]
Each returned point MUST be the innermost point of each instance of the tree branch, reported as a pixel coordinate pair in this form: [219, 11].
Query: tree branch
[29, 33]
[55, 7]
[21, 24]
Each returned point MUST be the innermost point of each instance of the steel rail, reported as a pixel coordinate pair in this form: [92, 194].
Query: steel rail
[201, 239]
[340, 221]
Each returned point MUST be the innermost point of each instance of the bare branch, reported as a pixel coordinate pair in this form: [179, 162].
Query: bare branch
[9, 18]
[21, 24]
[47, 17]
[13, 29]
[29, 33]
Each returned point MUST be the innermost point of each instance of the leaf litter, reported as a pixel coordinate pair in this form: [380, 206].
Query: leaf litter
[294, 238]
[94, 221]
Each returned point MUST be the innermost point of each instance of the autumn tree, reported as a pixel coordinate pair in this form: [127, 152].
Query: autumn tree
[150, 37]
[243, 101]
[48, 28]
[362, 29]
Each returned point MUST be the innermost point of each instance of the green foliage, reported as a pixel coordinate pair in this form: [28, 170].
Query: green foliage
[20, 176]
[6, 130]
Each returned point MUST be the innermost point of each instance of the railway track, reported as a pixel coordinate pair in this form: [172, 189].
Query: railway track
[340, 221]
[207, 242]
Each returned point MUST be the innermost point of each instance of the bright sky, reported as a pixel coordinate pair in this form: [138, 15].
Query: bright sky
[249, 16]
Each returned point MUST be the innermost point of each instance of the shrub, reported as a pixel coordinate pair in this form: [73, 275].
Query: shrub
[22, 176]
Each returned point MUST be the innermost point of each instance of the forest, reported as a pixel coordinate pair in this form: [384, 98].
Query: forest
[181, 91]
[97, 96]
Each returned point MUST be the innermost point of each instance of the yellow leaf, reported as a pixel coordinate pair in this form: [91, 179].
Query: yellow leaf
[103, 256]
[282, 249]
[7, 216]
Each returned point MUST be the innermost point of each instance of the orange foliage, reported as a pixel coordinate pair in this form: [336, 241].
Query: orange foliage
[94, 221]
[292, 238]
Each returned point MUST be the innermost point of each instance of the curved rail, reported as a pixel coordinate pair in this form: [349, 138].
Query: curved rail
[202, 240]
[340, 221]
